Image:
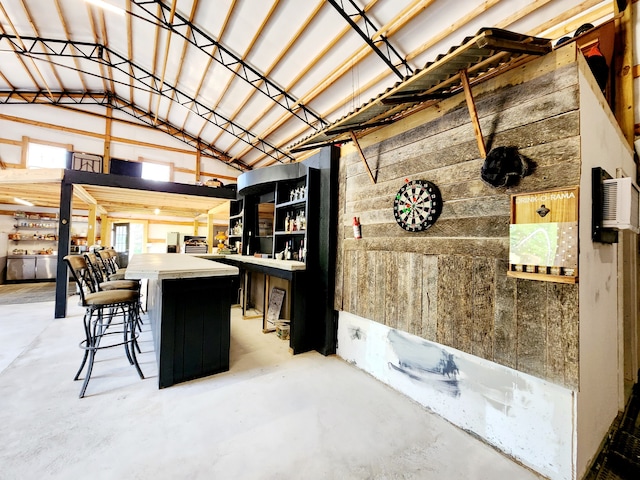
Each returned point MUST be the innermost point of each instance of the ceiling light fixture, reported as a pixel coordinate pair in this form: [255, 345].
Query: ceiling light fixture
[157, 211]
[22, 202]
[106, 6]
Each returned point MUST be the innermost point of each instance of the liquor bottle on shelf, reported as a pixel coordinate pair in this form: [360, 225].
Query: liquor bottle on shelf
[303, 221]
[286, 222]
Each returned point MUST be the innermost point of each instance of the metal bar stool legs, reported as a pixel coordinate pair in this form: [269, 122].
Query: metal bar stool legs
[96, 329]
[108, 314]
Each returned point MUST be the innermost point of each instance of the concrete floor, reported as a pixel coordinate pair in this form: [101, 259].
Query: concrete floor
[272, 416]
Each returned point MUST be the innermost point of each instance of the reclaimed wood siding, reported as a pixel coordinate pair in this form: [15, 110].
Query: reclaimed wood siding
[449, 284]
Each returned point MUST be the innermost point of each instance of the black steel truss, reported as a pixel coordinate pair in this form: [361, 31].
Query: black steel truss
[118, 103]
[225, 57]
[54, 98]
[40, 47]
[388, 53]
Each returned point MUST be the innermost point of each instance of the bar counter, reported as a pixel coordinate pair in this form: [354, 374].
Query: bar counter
[303, 333]
[189, 306]
[161, 266]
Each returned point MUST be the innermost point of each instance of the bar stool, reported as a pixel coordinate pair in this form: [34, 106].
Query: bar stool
[101, 284]
[108, 314]
[109, 260]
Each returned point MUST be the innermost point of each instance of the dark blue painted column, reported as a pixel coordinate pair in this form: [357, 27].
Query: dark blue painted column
[64, 241]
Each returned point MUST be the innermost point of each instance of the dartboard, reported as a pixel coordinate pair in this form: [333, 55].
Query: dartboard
[417, 205]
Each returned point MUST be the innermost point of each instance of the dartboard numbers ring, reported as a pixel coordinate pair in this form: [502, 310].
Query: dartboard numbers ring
[417, 205]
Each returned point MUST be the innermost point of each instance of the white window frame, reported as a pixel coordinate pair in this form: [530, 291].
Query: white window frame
[152, 163]
[27, 142]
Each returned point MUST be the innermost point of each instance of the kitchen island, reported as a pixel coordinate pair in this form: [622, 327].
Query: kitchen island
[189, 306]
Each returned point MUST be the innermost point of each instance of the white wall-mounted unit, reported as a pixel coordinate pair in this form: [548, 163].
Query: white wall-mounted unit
[621, 207]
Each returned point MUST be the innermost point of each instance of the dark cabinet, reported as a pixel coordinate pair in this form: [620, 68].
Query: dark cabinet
[236, 224]
[276, 222]
[291, 218]
[303, 197]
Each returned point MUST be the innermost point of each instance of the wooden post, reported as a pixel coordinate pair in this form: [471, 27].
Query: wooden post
[624, 71]
[210, 232]
[105, 231]
[473, 113]
[361, 153]
[107, 141]
[25, 152]
[198, 163]
[145, 235]
[91, 227]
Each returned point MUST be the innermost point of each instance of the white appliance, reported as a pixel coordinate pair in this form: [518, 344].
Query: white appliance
[621, 206]
[173, 242]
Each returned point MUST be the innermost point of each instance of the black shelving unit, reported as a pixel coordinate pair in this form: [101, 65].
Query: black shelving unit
[291, 217]
[236, 223]
[313, 319]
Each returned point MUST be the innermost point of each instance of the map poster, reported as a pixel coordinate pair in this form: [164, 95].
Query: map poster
[543, 234]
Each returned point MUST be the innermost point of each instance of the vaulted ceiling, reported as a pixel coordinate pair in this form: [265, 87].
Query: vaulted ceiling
[245, 80]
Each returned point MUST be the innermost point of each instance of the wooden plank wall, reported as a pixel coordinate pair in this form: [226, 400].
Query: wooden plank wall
[449, 284]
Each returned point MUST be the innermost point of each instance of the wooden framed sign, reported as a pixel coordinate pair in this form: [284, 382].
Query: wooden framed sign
[543, 236]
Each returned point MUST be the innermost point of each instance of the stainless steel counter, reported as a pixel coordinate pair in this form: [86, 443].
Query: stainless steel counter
[31, 267]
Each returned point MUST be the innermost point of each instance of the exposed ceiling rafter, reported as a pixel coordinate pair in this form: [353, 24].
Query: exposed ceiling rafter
[371, 35]
[109, 99]
[34, 47]
[204, 42]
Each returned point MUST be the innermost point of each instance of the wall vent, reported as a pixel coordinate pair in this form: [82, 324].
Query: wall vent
[621, 204]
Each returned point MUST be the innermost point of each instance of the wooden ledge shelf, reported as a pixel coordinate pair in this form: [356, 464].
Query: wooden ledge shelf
[543, 277]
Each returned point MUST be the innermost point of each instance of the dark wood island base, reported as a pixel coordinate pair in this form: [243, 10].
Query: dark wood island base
[189, 307]
[190, 321]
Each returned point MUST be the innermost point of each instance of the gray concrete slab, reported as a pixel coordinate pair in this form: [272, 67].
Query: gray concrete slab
[272, 416]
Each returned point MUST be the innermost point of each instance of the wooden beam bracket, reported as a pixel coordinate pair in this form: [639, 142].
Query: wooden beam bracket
[361, 153]
[473, 113]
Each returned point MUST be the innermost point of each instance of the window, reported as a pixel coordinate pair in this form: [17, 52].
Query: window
[156, 171]
[46, 156]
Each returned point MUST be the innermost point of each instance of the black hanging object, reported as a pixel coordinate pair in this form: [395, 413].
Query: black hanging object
[585, 27]
[504, 167]
[562, 40]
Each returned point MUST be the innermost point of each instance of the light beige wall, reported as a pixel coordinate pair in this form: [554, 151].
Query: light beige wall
[598, 400]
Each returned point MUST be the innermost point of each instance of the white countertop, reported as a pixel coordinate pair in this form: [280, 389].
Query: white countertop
[161, 266]
[290, 265]
[207, 256]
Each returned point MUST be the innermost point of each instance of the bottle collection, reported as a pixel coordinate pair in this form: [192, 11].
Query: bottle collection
[295, 221]
[297, 194]
[291, 253]
[236, 229]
